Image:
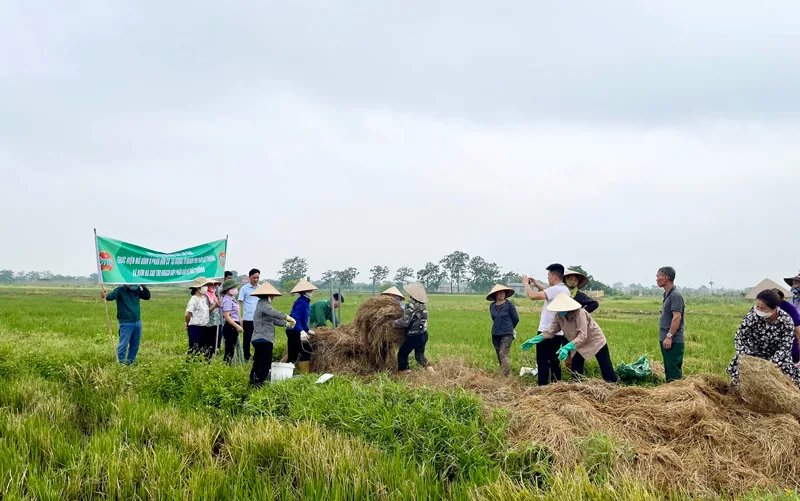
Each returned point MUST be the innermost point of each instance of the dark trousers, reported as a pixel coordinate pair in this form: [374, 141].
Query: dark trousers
[247, 337]
[197, 335]
[262, 363]
[502, 346]
[673, 361]
[231, 335]
[210, 344]
[417, 344]
[297, 350]
[603, 358]
[547, 361]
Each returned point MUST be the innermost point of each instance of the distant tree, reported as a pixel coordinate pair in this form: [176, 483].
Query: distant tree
[455, 266]
[346, 277]
[510, 278]
[294, 268]
[6, 276]
[327, 277]
[619, 286]
[285, 286]
[483, 274]
[430, 276]
[402, 275]
[93, 277]
[379, 273]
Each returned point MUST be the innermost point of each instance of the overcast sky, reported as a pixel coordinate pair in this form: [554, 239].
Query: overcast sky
[621, 136]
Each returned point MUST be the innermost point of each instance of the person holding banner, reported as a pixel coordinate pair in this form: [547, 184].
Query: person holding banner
[197, 316]
[129, 315]
[230, 310]
[265, 319]
[214, 327]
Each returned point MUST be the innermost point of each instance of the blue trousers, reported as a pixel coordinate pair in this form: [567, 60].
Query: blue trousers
[130, 333]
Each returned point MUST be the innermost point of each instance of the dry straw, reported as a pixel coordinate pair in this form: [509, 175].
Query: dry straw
[366, 346]
[696, 434]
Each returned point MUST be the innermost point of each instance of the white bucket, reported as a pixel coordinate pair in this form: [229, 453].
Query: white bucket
[281, 371]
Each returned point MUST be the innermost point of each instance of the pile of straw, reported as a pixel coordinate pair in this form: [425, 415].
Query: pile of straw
[765, 389]
[695, 434]
[366, 346]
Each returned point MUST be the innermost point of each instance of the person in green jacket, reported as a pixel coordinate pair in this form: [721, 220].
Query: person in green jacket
[129, 315]
[321, 312]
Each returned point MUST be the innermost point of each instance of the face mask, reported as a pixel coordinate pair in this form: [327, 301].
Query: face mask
[762, 314]
[795, 290]
[203, 289]
[133, 287]
[234, 291]
[563, 313]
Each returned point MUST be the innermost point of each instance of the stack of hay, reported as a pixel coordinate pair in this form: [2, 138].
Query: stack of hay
[366, 346]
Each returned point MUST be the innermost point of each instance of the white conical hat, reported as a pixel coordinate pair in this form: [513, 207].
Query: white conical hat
[765, 285]
[304, 286]
[266, 289]
[563, 302]
[498, 288]
[393, 291]
[417, 292]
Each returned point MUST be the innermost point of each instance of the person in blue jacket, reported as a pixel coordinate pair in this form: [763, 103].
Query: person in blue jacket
[297, 335]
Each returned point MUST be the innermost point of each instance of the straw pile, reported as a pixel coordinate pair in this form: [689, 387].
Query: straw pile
[366, 346]
[695, 434]
[765, 389]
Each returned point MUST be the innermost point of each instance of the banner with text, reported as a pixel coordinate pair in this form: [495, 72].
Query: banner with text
[124, 263]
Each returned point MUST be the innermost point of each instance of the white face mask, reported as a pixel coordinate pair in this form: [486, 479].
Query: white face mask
[762, 314]
[234, 292]
[203, 289]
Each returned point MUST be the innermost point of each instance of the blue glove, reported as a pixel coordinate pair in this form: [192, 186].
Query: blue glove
[527, 345]
[563, 352]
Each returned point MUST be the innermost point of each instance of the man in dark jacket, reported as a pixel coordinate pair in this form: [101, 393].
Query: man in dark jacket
[129, 315]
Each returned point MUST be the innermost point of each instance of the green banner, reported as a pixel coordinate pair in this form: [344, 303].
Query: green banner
[124, 263]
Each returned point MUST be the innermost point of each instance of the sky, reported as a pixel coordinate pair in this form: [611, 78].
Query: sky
[620, 136]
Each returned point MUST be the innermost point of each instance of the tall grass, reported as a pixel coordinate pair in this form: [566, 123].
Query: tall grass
[75, 425]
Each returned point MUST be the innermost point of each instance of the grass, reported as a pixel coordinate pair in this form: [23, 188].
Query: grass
[75, 425]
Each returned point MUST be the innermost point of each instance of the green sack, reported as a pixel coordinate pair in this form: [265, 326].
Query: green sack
[637, 371]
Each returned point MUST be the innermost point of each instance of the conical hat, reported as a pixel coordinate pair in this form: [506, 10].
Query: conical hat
[497, 288]
[563, 302]
[303, 286]
[763, 285]
[789, 280]
[393, 291]
[583, 280]
[417, 292]
[266, 289]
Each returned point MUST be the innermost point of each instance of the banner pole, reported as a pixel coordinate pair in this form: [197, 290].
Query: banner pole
[105, 301]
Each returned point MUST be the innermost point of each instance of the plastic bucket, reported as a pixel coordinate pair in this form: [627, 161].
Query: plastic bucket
[281, 371]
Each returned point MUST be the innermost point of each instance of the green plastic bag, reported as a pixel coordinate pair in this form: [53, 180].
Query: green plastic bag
[637, 371]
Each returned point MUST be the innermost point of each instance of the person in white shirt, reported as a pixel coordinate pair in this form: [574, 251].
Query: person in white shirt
[546, 358]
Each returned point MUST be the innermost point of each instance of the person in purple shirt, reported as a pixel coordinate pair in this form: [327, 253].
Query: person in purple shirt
[792, 311]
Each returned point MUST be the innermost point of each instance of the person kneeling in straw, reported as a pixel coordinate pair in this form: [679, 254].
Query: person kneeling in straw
[583, 333]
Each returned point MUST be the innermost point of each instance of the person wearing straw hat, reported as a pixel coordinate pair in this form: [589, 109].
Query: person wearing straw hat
[300, 351]
[265, 319]
[583, 334]
[233, 322]
[196, 317]
[794, 283]
[415, 324]
[575, 282]
[395, 293]
[504, 320]
[214, 327]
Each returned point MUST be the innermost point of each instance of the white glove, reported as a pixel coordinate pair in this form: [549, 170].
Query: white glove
[303, 336]
[310, 332]
[289, 320]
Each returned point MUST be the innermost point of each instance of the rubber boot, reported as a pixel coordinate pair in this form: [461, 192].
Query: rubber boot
[304, 367]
